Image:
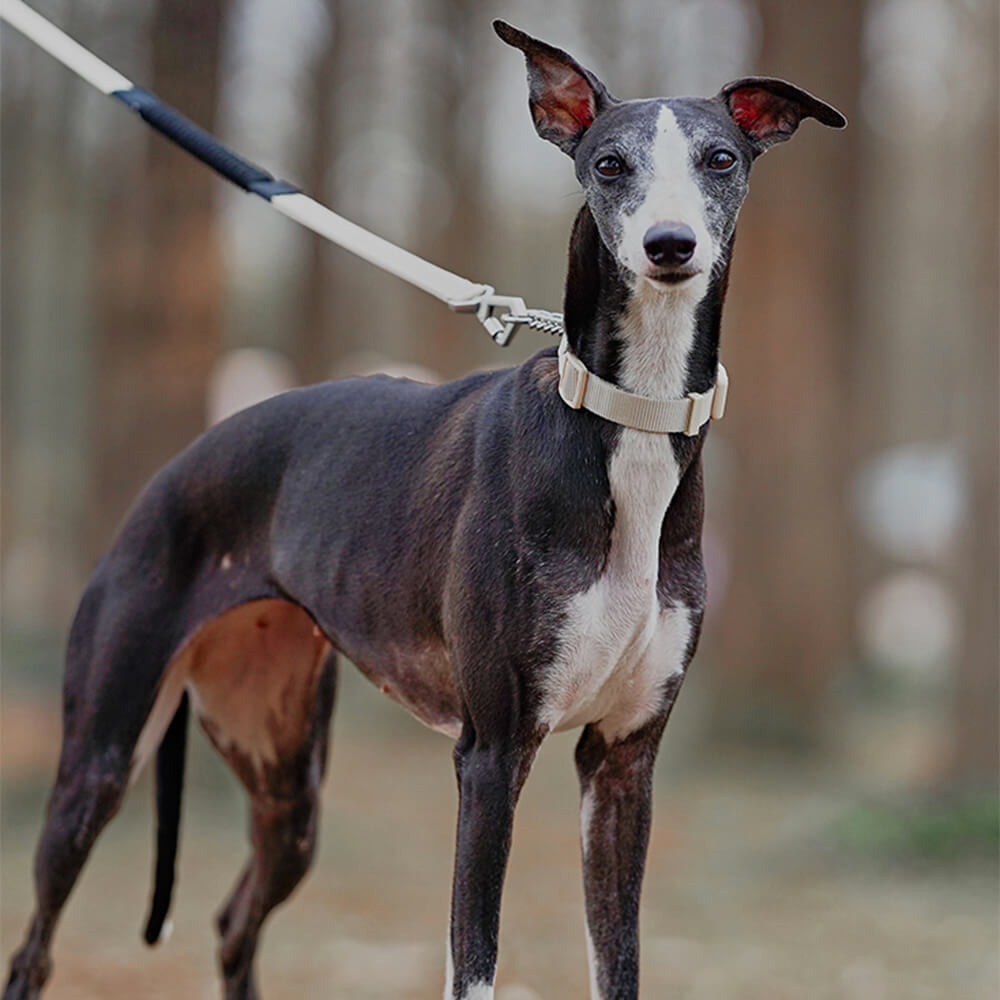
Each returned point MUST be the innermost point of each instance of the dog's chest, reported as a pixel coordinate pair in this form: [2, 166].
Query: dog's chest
[618, 647]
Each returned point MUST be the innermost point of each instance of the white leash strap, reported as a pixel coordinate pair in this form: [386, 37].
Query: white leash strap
[435, 280]
[47, 36]
[459, 293]
[582, 389]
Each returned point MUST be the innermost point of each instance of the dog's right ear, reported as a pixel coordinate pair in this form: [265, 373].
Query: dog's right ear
[564, 98]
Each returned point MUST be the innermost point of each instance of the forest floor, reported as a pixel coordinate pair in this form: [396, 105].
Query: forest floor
[750, 892]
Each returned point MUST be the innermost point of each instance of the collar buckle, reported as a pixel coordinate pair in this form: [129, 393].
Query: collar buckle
[699, 412]
[710, 404]
[573, 377]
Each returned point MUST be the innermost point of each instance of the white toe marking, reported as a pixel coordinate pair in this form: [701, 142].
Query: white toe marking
[449, 976]
[479, 991]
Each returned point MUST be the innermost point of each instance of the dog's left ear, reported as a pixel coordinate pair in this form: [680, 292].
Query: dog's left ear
[769, 110]
[564, 97]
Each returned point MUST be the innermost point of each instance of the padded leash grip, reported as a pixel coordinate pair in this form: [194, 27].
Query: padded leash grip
[203, 145]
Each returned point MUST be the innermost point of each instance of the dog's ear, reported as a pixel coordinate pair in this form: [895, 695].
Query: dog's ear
[564, 98]
[769, 110]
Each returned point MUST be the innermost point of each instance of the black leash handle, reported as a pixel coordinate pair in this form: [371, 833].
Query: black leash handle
[203, 145]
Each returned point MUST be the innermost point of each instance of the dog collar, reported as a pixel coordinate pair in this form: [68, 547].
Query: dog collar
[581, 389]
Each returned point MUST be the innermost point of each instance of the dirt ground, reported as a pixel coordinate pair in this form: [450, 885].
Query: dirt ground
[747, 895]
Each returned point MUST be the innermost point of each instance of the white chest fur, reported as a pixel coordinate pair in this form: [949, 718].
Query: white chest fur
[618, 647]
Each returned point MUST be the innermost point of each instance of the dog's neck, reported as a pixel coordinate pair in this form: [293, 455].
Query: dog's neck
[654, 341]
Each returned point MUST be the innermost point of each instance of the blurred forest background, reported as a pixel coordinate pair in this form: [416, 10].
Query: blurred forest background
[826, 812]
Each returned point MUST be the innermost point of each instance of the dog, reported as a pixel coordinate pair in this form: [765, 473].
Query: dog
[493, 553]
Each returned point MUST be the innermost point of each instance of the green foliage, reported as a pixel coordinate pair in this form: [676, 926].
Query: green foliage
[938, 830]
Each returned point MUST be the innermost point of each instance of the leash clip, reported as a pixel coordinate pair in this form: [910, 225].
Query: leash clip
[501, 329]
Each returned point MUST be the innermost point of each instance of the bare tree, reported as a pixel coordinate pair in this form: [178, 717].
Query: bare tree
[452, 143]
[322, 280]
[161, 276]
[52, 197]
[786, 623]
[977, 694]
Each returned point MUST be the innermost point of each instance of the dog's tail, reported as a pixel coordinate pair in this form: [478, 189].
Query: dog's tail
[169, 785]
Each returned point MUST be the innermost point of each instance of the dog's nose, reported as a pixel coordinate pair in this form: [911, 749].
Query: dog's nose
[669, 244]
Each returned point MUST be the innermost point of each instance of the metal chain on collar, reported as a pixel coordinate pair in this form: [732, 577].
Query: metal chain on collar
[538, 319]
[502, 328]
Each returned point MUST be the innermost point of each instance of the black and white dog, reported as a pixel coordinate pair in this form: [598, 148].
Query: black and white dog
[503, 564]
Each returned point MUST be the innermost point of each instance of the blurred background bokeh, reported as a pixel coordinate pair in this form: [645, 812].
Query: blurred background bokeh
[826, 821]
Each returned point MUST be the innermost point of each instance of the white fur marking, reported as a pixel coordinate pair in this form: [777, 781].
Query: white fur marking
[595, 990]
[226, 562]
[618, 647]
[162, 712]
[586, 815]
[478, 991]
[449, 974]
[165, 931]
[673, 196]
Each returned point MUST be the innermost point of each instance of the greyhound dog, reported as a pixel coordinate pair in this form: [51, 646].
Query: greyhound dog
[493, 553]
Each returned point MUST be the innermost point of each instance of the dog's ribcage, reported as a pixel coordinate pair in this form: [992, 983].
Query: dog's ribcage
[618, 645]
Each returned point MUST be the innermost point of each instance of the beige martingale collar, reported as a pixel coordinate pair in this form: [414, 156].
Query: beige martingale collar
[581, 389]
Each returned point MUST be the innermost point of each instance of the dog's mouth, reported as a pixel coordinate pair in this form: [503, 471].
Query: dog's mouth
[671, 276]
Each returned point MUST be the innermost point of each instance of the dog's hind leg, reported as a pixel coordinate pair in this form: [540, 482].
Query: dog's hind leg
[82, 802]
[264, 686]
[117, 653]
[283, 833]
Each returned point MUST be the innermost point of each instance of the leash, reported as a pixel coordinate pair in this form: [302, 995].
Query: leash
[458, 293]
[578, 387]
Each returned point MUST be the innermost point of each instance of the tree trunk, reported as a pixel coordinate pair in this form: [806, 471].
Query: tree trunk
[452, 141]
[976, 729]
[322, 282]
[161, 280]
[785, 626]
[52, 197]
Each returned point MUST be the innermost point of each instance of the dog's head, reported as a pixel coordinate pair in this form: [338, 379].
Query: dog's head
[664, 178]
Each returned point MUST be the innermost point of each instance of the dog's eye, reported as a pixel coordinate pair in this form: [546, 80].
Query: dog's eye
[609, 166]
[721, 160]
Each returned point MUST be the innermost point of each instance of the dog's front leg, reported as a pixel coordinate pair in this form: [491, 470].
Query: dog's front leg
[616, 784]
[490, 775]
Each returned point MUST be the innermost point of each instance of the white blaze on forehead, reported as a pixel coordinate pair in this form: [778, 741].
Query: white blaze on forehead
[673, 195]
